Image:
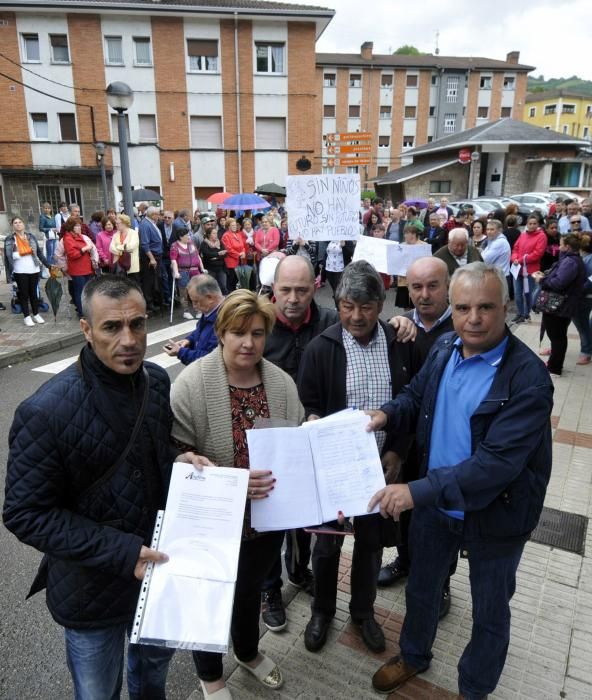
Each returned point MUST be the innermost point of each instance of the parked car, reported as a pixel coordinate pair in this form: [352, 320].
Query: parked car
[534, 201]
[565, 195]
[476, 206]
[502, 203]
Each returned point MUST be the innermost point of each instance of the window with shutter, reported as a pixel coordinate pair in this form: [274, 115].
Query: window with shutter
[115, 127]
[59, 48]
[113, 51]
[203, 55]
[67, 126]
[31, 48]
[39, 125]
[206, 132]
[271, 133]
[142, 56]
[147, 124]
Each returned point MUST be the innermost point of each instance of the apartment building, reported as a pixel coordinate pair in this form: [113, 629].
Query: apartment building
[408, 101]
[223, 97]
[565, 111]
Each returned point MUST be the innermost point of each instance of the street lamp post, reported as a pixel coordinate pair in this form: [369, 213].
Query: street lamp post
[100, 149]
[120, 98]
[475, 157]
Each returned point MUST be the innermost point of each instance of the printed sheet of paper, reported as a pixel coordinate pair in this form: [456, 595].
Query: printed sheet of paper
[293, 501]
[389, 257]
[324, 207]
[347, 465]
[187, 601]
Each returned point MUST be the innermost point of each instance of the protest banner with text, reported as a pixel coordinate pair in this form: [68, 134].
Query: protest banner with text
[323, 207]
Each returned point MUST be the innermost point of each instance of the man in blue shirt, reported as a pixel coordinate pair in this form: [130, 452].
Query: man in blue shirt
[151, 258]
[206, 297]
[481, 409]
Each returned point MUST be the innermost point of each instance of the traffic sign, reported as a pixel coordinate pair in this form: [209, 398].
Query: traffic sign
[347, 162]
[350, 136]
[350, 148]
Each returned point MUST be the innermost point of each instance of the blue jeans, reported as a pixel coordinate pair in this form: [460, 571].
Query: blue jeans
[95, 660]
[435, 540]
[582, 322]
[524, 301]
[78, 284]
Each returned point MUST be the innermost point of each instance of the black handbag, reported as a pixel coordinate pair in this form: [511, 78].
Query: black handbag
[549, 302]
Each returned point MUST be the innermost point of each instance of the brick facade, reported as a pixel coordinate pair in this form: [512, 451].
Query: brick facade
[495, 107]
[342, 103]
[472, 100]
[171, 110]
[86, 51]
[423, 107]
[245, 57]
[398, 116]
[302, 135]
[316, 160]
[15, 149]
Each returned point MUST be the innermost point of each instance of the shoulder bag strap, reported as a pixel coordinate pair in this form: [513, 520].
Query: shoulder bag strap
[123, 456]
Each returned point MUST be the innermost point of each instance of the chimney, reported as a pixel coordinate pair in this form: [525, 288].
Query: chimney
[366, 50]
[513, 57]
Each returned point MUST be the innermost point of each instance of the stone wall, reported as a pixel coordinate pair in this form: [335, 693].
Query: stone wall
[20, 194]
[419, 187]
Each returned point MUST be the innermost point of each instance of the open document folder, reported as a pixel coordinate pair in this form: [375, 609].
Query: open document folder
[321, 467]
[187, 602]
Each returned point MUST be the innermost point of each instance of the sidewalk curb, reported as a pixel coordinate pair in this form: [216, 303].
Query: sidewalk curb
[18, 356]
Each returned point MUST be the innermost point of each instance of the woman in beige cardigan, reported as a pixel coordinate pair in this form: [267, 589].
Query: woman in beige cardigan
[126, 240]
[214, 401]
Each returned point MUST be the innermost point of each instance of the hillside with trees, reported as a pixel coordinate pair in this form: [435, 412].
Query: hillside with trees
[575, 84]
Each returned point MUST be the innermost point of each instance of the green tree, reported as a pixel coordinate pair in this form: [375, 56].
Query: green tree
[407, 50]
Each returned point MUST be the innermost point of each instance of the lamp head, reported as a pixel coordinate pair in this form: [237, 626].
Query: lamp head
[120, 96]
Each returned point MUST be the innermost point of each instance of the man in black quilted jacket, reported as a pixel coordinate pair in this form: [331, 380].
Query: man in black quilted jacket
[88, 468]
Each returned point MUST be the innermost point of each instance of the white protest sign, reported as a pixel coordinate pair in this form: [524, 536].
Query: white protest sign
[379, 252]
[389, 257]
[323, 207]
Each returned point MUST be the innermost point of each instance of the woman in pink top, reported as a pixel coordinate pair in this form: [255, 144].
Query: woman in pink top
[104, 238]
[267, 238]
[526, 259]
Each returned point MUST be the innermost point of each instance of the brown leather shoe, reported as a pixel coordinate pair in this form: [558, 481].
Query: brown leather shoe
[393, 674]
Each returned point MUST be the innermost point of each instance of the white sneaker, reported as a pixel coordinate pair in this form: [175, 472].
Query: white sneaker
[29, 321]
[37, 318]
[188, 316]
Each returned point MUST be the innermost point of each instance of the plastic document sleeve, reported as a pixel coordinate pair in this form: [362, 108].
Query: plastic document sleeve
[186, 603]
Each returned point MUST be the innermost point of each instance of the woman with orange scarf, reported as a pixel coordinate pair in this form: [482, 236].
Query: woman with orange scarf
[23, 264]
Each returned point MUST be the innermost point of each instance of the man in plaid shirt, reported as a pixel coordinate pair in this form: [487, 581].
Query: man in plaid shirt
[359, 363]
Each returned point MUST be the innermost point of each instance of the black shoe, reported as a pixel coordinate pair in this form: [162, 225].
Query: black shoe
[315, 634]
[444, 603]
[304, 581]
[2, 307]
[391, 573]
[518, 319]
[372, 634]
[272, 610]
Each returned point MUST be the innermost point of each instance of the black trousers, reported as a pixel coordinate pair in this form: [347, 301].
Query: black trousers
[297, 558]
[556, 328]
[255, 560]
[150, 279]
[26, 284]
[366, 562]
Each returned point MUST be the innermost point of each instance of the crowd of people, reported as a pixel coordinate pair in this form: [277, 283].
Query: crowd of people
[84, 481]
[163, 250]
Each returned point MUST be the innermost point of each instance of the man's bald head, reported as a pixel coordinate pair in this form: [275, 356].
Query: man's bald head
[294, 287]
[427, 279]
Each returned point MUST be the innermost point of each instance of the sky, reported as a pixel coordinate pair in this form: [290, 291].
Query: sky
[551, 35]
